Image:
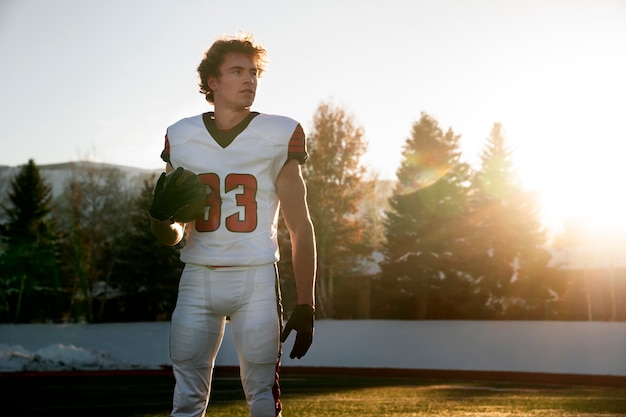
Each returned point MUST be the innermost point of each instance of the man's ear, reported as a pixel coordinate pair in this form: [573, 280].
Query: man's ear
[212, 83]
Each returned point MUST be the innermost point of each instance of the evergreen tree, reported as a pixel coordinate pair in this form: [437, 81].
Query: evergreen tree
[334, 177]
[29, 276]
[511, 259]
[146, 273]
[422, 273]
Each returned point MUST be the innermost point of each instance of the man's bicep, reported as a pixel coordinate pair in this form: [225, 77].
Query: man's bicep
[291, 192]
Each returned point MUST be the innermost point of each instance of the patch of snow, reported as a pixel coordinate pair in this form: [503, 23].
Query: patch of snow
[57, 357]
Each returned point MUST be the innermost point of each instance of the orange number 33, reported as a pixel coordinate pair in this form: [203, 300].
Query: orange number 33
[244, 186]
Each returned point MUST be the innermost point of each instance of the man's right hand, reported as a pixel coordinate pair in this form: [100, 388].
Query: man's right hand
[172, 194]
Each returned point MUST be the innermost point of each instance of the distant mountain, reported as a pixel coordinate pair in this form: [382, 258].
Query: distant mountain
[58, 175]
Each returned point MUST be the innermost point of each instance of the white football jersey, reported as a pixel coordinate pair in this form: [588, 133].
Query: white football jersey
[239, 167]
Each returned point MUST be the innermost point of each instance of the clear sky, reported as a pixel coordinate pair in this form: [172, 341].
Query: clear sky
[102, 80]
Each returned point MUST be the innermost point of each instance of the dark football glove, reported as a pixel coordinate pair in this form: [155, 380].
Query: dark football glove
[301, 320]
[172, 194]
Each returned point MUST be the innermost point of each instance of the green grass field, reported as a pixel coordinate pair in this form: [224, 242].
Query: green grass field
[350, 396]
[319, 396]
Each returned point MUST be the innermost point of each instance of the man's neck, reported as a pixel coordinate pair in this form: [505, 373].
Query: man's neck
[227, 119]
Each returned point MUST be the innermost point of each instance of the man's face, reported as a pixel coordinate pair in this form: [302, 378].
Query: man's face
[236, 85]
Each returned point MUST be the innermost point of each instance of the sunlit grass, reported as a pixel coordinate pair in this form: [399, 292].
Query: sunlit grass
[330, 396]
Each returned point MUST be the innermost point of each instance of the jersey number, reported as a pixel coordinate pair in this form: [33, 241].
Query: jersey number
[244, 186]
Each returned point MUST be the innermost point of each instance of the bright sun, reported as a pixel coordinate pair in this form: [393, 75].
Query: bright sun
[568, 137]
[580, 186]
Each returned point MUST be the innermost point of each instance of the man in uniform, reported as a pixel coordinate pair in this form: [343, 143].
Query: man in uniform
[249, 166]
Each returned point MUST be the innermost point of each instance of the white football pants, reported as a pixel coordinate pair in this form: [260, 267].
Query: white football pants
[206, 295]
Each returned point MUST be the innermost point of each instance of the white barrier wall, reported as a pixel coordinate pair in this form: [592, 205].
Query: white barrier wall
[588, 348]
[518, 346]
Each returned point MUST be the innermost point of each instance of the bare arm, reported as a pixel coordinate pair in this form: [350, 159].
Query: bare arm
[167, 232]
[292, 194]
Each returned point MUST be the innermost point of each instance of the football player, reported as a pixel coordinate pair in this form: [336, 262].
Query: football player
[249, 163]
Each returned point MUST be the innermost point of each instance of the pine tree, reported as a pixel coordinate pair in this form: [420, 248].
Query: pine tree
[334, 177]
[29, 276]
[422, 274]
[511, 259]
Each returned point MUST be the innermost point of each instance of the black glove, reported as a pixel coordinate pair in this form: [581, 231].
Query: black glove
[170, 196]
[301, 321]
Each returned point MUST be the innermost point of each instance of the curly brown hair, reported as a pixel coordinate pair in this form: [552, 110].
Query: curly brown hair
[242, 43]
